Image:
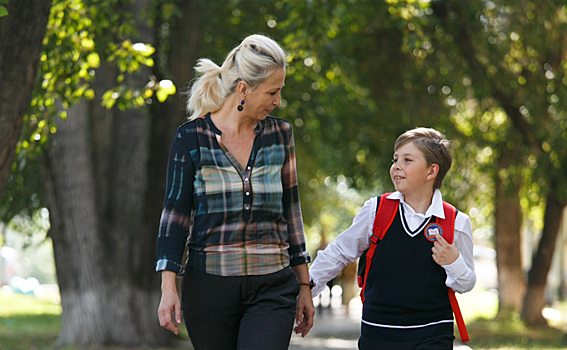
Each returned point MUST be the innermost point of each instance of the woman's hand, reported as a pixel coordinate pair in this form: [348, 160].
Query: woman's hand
[305, 311]
[169, 303]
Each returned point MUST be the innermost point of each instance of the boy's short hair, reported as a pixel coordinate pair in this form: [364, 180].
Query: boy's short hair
[434, 146]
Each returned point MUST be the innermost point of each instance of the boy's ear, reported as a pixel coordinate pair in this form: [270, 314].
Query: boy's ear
[433, 171]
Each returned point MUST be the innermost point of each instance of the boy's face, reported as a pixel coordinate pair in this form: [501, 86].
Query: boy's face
[410, 172]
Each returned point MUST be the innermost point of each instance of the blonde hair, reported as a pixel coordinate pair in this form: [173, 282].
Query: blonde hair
[433, 145]
[253, 61]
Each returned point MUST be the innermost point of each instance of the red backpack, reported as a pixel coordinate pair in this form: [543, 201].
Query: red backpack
[385, 215]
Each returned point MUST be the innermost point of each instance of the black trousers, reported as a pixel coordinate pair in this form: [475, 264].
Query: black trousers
[243, 312]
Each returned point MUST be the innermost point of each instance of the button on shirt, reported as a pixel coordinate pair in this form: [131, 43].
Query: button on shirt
[235, 220]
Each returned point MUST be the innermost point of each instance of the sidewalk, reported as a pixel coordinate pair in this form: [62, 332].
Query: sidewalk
[335, 329]
[332, 329]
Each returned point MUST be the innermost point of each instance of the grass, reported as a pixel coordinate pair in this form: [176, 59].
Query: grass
[27, 322]
[28, 331]
[511, 334]
[487, 332]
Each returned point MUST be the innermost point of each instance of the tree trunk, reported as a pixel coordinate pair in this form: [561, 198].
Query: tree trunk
[537, 277]
[133, 290]
[75, 226]
[508, 218]
[104, 258]
[26, 24]
[103, 232]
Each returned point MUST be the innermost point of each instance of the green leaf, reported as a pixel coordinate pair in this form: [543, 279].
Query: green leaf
[3, 11]
[94, 59]
[161, 95]
[143, 49]
[166, 88]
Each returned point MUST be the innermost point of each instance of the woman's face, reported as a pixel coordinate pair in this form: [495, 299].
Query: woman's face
[267, 96]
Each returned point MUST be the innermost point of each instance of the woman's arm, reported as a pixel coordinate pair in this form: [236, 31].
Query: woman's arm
[174, 228]
[175, 218]
[305, 309]
[298, 253]
[169, 303]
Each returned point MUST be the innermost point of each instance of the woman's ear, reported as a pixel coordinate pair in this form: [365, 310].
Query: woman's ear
[242, 89]
[433, 171]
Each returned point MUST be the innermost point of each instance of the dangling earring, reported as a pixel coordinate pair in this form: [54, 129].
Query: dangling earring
[240, 106]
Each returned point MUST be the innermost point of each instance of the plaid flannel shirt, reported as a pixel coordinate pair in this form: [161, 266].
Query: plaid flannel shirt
[235, 221]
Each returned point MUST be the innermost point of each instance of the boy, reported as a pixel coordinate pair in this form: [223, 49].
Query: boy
[406, 302]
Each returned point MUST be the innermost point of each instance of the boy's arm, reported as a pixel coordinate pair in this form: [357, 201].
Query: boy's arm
[461, 276]
[346, 248]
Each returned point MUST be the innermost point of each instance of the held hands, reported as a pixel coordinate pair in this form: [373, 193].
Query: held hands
[305, 312]
[443, 252]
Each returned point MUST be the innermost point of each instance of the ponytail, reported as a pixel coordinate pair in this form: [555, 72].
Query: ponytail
[206, 92]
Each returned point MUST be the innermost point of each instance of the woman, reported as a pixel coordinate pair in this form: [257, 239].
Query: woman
[232, 190]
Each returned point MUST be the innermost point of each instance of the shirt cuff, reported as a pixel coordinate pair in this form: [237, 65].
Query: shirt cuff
[300, 258]
[168, 265]
[457, 268]
[319, 287]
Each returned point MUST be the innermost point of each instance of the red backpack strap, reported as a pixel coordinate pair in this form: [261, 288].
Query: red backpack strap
[448, 226]
[458, 316]
[385, 214]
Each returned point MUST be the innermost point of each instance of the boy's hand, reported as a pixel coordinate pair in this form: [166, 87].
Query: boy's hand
[443, 252]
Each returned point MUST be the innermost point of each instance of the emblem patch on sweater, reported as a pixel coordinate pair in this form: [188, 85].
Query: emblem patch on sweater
[432, 230]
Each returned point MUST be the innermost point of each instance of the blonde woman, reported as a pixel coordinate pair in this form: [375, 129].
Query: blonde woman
[232, 199]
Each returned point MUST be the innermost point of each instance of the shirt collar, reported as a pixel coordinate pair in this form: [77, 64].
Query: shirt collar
[435, 209]
[217, 131]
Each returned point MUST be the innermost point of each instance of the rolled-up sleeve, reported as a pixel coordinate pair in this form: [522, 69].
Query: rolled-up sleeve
[175, 219]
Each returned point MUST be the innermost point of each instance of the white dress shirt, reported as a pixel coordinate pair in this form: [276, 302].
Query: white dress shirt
[350, 244]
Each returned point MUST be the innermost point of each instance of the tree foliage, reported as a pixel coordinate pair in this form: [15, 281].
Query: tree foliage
[81, 35]
[25, 26]
[3, 9]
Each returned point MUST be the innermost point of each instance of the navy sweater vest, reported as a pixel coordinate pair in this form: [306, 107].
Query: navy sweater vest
[405, 287]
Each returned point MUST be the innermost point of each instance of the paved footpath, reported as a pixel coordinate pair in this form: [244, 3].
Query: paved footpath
[334, 329]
